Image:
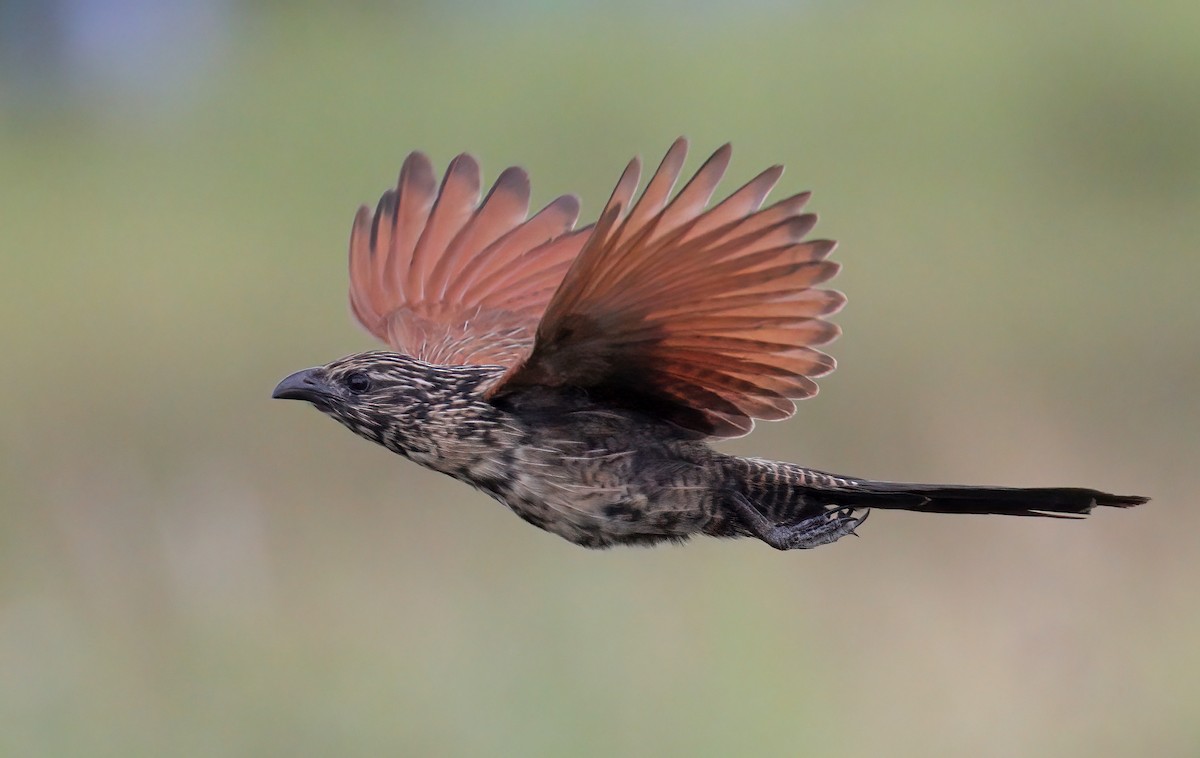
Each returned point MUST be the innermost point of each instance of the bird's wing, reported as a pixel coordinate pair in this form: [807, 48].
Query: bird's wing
[706, 317]
[445, 278]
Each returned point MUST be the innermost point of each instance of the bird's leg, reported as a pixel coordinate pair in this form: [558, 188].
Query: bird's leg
[807, 533]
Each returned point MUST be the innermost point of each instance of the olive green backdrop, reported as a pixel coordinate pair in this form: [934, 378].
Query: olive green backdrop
[188, 568]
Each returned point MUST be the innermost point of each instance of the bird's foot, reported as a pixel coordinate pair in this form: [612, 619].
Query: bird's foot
[818, 530]
[811, 532]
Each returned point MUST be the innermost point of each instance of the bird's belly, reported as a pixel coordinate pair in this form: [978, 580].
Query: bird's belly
[601, 519]
[597, 502]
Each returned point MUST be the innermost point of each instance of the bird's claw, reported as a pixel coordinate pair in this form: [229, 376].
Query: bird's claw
[820, 530]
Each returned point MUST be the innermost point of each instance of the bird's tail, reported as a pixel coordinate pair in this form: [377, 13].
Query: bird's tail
[1061, 502]
[785, 492]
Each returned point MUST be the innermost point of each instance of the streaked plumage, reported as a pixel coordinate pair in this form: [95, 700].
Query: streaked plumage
[576, 374]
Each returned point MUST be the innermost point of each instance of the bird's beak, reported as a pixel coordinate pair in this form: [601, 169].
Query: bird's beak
[303, 385]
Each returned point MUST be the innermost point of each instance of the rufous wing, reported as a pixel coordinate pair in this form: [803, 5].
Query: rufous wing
[708, 317]
[445, 278]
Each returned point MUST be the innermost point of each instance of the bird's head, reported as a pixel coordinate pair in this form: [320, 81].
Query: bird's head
[390, 398]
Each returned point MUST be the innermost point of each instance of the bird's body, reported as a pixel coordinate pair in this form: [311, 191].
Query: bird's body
[593, 474]
[578, 376]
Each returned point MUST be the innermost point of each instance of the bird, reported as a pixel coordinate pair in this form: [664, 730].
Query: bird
[580, 375]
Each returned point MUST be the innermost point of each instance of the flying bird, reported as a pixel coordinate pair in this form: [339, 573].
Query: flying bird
[579, 375]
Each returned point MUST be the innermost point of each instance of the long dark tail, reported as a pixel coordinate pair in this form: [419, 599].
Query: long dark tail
[957, 498]
[785, 492]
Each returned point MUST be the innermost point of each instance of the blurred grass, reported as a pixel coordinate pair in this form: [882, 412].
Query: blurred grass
[189, 569]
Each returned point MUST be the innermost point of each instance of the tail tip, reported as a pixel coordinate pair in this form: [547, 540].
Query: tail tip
[1119, 501]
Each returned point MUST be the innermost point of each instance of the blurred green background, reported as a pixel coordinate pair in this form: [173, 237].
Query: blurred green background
[190, 569]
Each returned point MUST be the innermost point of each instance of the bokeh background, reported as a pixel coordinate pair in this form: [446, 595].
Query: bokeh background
[190, 569]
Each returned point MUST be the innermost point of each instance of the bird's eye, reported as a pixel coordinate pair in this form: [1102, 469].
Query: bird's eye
[358, 382]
